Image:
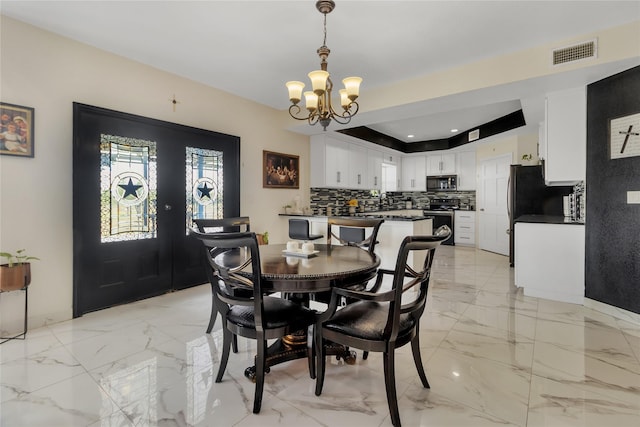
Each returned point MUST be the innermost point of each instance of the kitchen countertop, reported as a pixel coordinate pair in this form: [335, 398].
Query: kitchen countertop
[360, 215]
[547, 219]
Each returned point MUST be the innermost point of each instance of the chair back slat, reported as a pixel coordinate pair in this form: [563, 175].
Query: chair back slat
[230, 224]
[352, 232]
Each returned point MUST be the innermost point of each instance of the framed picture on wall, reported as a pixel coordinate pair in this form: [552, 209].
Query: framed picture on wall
[16, 130]
[624, 136]
[280, 170]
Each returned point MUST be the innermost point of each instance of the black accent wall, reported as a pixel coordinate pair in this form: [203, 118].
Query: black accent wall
[612, 225]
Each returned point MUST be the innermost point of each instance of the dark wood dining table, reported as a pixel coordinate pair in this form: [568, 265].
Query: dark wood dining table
[297, 277]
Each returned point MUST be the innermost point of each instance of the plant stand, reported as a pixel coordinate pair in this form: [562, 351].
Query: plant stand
[22, 335]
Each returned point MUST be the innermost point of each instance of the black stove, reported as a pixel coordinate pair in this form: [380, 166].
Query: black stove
[442, 211]
[444, 204]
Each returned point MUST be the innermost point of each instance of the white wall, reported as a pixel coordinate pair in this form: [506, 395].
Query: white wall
[47, 72]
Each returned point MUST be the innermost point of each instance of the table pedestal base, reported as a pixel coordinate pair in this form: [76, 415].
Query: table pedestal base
[294, 347]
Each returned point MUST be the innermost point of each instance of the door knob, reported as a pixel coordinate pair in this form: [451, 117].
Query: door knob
[167, 207]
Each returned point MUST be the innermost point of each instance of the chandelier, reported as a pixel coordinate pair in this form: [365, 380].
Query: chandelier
[318, 101]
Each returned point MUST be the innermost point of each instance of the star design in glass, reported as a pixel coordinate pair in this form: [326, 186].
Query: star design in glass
[205, 191]
[130, 189]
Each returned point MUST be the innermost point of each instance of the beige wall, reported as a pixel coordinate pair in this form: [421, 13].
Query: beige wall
[48, 72]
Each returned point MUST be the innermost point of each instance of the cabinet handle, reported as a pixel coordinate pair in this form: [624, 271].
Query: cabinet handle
[413, 183]
[358, 179]
[338, 175]
[375, 180]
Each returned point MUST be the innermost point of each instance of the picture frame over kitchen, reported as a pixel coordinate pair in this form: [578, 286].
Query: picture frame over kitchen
[16, 130]
[280, 170]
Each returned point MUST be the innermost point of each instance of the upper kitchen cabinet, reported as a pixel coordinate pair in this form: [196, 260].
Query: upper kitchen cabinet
[466, 170]
[374, 169]
[329, 162]
[441, 164]
[390, 158]
[413, 174]
[358, 167]
[564, 137]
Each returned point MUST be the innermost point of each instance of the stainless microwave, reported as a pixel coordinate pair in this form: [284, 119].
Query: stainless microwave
[442, 182]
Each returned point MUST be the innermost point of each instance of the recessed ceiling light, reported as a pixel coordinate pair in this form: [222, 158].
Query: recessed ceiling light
[454, 130]
[410, 136]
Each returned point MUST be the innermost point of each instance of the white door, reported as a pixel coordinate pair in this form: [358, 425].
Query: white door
[493, 219]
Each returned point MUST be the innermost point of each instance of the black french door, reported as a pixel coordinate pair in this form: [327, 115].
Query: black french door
[137, 185]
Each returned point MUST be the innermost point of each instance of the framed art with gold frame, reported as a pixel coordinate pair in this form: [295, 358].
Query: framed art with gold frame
[280, 170]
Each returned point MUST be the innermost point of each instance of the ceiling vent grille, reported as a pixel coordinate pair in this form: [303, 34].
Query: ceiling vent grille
[577, 52]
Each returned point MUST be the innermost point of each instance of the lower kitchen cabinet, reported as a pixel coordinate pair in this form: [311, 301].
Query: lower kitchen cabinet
[549, 261]
[465, 228]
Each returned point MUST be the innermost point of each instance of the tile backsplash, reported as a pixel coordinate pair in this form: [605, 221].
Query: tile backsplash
[370, 200]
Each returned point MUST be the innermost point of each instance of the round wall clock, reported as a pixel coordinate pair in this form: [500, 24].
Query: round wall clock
[624, 136]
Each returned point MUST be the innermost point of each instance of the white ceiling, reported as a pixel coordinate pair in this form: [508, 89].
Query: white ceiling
[251, 48]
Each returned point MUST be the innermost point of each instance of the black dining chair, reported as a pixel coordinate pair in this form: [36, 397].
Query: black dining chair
[382, 321]
[352, 232]
[260, 317]
[299, 230]
[218, 225]
[360, 232]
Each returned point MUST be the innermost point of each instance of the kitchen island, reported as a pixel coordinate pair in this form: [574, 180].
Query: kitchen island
[397, 225]
[549, 257]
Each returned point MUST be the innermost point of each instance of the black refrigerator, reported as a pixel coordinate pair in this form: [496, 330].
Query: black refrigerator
[529, 195]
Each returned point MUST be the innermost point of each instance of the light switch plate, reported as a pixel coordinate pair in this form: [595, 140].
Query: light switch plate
[633, 197]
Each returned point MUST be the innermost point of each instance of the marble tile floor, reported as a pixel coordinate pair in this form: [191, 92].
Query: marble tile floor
[493, 357]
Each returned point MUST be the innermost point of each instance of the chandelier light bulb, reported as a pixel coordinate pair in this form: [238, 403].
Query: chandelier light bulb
[344, 99]
[295, 91]
[319, 81]
[352, 85]
[311, 99]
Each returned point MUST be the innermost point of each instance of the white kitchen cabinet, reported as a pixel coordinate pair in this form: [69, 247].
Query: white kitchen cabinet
[329, 159]
[441, 164]
[357, 167]
[390, 158]
[413, 173]
[464, 228]
[565, 137]
[337, 165]
[374, 169]
[466, 170]
[549, 261]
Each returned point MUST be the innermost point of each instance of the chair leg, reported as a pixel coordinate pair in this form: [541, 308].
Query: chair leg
[390, 385]
[260, 367]
[226, 346]
[415, 349]
[212, 318]
[320, 359]
[311, 352]
[234, 343]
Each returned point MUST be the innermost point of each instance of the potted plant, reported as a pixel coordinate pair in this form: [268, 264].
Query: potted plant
[263, 239]
[16, 273]
[527, 159]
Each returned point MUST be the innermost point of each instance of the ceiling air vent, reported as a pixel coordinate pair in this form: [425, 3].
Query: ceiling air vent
[586, 50]
[474, 134]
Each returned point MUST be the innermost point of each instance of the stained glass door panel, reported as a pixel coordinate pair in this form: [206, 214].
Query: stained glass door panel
[137, 185]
